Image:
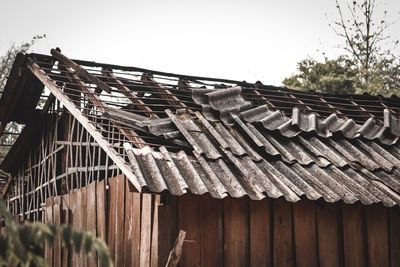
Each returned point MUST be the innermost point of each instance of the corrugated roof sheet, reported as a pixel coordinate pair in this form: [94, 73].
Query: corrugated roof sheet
[225, 137]
[231, 102]
[238, 151]
[179, 173]
[243, 160]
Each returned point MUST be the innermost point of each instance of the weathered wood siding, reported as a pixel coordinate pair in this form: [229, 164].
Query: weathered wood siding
[140, 229]
[273, 232]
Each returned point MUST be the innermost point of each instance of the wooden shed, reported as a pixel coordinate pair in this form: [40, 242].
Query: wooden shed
[255, 175]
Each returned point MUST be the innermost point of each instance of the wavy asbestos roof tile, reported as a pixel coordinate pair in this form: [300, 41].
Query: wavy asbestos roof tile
[197, 138]
[161, 127]
[300, 122]
[321, 151]
[244, 139]
[238, 176]
[391, 122]
[200, 98]
[223, 103]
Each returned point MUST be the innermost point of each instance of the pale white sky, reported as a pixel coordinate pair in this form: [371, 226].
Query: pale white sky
[237, 39]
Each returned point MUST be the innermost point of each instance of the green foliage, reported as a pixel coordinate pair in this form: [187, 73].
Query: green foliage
[368, 64]
[341, 75]
[330, 76]
[384, 78]
[22, 244]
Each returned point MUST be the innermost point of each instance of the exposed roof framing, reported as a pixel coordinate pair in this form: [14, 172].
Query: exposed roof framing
[147, 79]
[128, 93]
[95, 101]
[322, 104]
[79, 71]
[84, 121]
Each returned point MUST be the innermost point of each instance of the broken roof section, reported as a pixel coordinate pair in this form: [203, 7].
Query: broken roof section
[177, 133]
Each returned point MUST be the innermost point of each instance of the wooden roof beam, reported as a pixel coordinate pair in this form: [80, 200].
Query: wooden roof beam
[93, 97]
[105, 145]
[107, 73]
[148, 80]
[78, 70]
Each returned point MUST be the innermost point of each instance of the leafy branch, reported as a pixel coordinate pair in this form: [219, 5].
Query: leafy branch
[23, 244]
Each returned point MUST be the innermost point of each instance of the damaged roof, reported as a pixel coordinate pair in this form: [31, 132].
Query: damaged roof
[181, 134]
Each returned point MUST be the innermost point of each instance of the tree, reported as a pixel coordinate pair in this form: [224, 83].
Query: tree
[330, 76]
[369, 60]
[22, 244]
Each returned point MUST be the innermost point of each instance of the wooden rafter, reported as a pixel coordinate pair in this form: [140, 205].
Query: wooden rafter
[332, 108]
[269, 103]
[361, 108]
[165, 93]
[105, 145]
[128, 93]
[300, 102]
[79, 71]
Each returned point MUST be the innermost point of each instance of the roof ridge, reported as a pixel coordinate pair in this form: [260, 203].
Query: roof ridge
[89, 63]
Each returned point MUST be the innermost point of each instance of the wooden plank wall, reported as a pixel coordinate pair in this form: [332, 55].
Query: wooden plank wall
[140, 229]
[273, 232]
[82, 209]
[127, 221]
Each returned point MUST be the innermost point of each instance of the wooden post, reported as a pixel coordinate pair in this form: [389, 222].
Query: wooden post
[176, 251]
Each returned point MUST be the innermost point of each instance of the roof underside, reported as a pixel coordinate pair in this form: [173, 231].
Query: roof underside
[183, 134]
